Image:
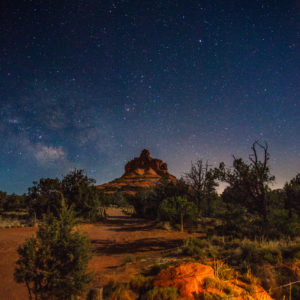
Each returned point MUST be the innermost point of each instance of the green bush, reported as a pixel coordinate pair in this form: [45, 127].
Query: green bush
[255, 253]
[141, 284]
[219, 285]
[116, 291]
[156, 268]
[158, 293]
[54, 264]
[194, 247]
[207, 296]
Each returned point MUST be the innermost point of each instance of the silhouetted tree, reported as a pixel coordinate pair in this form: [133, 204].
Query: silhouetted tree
[80, 191]
[249, 181]
[44, 196]
[3, 199]
[202, 181]
[292, 200]
[72, 182]
[147, 202]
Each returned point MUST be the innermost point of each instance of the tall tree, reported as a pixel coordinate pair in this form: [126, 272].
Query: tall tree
[3, 199]
[250, 181]
[44, 196]
[80, 191]
[202, 180]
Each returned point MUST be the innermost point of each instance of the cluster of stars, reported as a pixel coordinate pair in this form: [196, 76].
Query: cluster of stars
[90, 84]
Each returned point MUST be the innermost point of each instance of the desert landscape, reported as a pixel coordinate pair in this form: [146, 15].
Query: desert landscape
[141, 236]
[149, 150]
[118, 239]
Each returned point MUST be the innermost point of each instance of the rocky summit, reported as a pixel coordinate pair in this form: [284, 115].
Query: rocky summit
[142, 172]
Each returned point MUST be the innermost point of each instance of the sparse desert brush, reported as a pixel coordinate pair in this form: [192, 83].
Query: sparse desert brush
[140, 283]
[194, 247]
[208, 296]
[127, 259]
[94, 294]
[249, 278]
[140, 257]
[116, 291]
[223, 271]
[157, 267]
[159, 293]
[216, 240]
[10, 223]
[221, 285]
[257, 253]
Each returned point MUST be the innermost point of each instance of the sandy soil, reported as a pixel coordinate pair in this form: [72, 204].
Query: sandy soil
[112, 243]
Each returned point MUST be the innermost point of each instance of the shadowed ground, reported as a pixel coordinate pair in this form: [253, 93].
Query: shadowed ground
[121, 238]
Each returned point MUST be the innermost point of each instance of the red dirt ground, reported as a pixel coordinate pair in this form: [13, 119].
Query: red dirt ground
[119, 237]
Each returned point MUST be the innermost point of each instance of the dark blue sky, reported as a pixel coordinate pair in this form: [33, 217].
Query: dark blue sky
[89, 84]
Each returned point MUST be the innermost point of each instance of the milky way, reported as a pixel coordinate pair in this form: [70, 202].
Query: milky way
[89, 84]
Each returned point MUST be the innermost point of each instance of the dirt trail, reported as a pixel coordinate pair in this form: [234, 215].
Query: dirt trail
[120, 238]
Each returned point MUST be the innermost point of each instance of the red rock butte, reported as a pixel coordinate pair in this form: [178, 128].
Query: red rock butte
[142, 172]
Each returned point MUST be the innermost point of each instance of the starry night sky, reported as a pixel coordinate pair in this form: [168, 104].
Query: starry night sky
[89, 84]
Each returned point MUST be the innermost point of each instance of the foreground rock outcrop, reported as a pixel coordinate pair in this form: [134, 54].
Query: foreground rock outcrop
[193, 279]
[142, 172]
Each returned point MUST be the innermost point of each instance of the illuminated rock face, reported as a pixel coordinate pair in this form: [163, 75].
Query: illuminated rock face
[146, 163]
[197, 279]
[142, 172]
[187, 278]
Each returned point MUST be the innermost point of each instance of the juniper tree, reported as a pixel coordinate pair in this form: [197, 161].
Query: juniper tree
[249, 182]
[53, 265]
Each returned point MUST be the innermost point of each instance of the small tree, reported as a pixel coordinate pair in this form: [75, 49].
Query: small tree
[54, 264]
[176, 209]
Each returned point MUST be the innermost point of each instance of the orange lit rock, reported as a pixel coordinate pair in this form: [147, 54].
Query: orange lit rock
[142, 172]
[187, 278]
[192, 279]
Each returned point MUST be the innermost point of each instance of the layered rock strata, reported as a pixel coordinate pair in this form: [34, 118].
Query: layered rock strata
[142, 172]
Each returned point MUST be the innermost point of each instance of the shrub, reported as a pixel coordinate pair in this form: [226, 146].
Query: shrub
[223, 271]
[94, 293]
[158, 293]
[255, 253]
[219, 285]
[207, 296]
[194, 247]
[141, 284]
[54, 264]
[127, 259]
[156, 268]
[116, 291]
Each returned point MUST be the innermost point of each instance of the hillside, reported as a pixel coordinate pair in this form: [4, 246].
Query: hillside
[142, 172]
